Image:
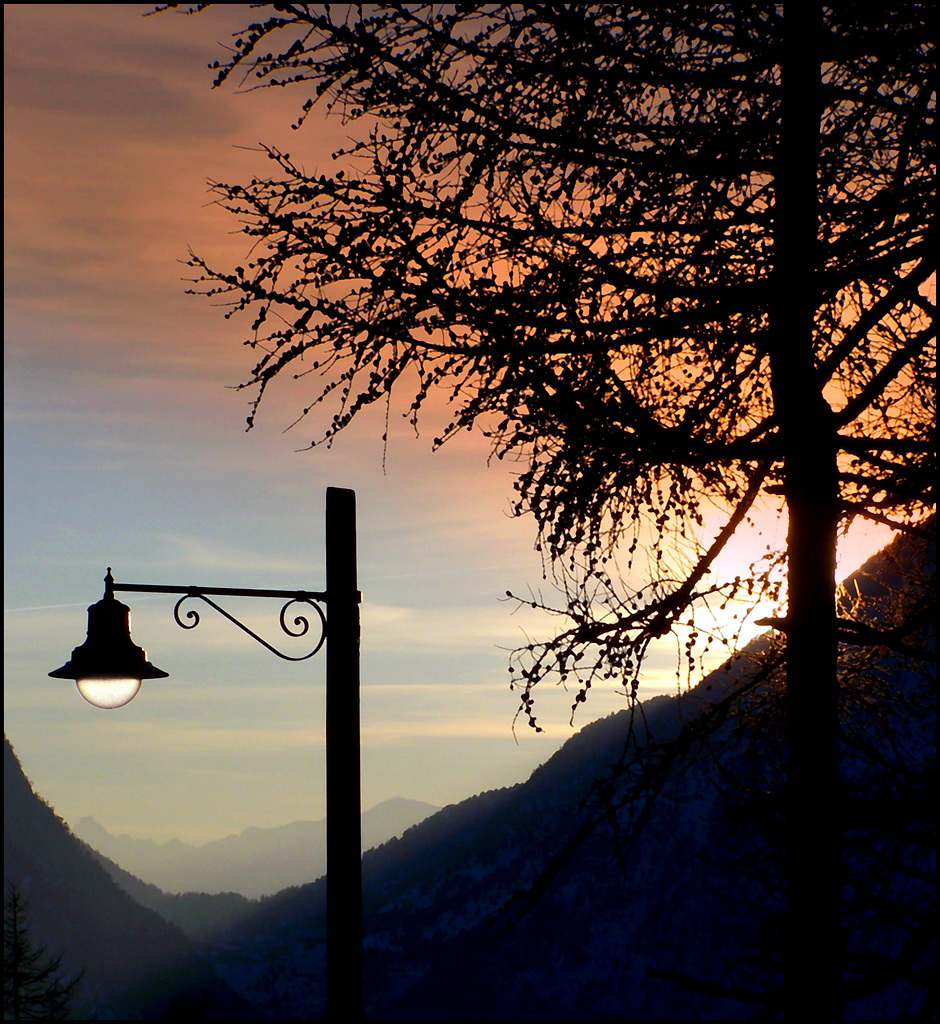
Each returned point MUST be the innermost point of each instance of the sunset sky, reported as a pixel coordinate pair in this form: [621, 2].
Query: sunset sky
[125, 446]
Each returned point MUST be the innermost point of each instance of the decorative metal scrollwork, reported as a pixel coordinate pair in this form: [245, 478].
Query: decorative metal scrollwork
[301, 624]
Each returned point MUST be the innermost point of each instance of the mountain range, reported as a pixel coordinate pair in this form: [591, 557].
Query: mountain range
[254, 863]
[637, 874]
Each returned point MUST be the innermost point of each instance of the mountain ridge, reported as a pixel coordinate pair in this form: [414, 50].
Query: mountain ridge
[652, 892]
[133, 963]
[255, 862]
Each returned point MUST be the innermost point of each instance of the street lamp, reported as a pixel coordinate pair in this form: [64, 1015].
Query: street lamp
[109, 668]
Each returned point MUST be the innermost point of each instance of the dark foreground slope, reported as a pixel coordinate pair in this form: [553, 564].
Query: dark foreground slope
[637, 874]
[136, 965]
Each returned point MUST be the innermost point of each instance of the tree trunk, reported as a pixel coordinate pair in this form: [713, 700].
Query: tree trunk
[812, 932]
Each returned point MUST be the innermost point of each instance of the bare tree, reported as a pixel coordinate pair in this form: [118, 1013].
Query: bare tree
[667, 256]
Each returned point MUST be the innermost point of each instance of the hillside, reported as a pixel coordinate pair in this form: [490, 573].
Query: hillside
[652, 890]
[135, 964]
[635, 875]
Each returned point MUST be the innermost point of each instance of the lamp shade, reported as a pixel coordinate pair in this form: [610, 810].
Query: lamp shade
[108, 667]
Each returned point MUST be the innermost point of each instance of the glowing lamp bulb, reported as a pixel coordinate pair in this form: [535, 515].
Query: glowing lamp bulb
[108, 693]
[108, 667]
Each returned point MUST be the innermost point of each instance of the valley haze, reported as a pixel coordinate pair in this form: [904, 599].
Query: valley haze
[256, 862]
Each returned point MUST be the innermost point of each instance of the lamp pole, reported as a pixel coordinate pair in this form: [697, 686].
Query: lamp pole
[108, 669]
[343, 820]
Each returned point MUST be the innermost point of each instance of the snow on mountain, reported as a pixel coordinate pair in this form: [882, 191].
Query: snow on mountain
[638, 873]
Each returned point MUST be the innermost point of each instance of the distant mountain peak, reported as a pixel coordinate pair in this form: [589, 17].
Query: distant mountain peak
[258, 861]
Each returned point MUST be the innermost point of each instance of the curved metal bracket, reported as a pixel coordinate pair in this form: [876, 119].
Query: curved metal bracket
[301, 623]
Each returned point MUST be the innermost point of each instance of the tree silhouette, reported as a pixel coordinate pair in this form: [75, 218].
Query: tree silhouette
[33, 984]
[887, 766]
[668, 257]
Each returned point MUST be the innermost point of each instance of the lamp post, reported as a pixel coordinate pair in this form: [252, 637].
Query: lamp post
[109, 669]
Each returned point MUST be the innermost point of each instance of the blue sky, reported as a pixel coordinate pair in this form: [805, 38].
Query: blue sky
[125, 446]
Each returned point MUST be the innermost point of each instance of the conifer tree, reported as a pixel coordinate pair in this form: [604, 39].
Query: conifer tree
[34, 985]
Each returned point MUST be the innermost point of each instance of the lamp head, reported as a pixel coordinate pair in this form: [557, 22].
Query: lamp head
[108, 667]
